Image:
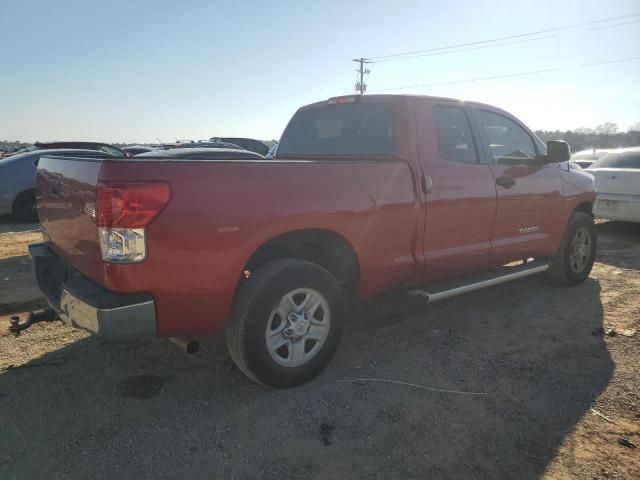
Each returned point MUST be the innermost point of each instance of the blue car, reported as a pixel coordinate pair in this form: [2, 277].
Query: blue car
[17, 180]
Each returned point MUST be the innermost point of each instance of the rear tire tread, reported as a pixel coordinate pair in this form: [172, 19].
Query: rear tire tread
[253, 287]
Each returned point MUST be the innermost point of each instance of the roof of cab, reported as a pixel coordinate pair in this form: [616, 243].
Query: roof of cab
[389, 98]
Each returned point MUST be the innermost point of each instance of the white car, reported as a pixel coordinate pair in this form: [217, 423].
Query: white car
[585, 158]
[618, 185]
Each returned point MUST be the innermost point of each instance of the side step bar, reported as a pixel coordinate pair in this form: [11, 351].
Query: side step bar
[506, 274]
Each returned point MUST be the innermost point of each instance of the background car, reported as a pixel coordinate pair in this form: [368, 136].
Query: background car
[585, 158]
[203, 153]
[617, 177]
[273, 151]
[17, 177]
[247, 143]
[201, 144]
[575, 165]
[97, 146]
[136, 149]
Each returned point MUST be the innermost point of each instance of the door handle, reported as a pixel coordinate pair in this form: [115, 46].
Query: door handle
[506, 182]
[426, 182]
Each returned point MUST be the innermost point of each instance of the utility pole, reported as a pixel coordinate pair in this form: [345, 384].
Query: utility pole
[361, 86]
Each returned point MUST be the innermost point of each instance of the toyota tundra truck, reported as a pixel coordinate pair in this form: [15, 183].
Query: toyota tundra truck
[366, 194]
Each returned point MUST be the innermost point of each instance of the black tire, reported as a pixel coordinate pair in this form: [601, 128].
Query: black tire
[565, 270]
[255, 303]
[24, 207]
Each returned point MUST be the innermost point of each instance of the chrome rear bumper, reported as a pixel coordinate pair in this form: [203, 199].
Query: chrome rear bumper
[83, 304]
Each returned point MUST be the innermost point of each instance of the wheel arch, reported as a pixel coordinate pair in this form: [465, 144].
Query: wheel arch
[584, 207]
[325, 247]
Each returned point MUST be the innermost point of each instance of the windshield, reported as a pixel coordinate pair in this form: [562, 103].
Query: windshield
[344, 129]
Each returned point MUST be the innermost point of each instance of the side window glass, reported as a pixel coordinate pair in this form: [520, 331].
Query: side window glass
[509, 143]
[454, 135]
[632, 161]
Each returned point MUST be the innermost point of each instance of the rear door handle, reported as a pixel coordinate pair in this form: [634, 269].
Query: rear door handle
[506, 182]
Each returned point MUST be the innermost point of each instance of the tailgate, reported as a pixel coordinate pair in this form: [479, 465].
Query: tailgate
[66, 196]
[617, 181]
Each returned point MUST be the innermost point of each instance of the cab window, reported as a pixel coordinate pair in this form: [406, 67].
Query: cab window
[509, 143]
[453, 132]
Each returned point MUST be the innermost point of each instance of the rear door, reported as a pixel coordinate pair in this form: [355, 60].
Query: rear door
[529, 211]
[460, 191]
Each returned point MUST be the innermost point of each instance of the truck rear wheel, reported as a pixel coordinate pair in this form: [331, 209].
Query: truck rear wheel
[574, 259]
[286, 323]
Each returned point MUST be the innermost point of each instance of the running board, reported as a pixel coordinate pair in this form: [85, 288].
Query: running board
[505, 274]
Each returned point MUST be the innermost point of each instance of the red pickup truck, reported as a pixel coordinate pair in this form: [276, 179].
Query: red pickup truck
[366, 194]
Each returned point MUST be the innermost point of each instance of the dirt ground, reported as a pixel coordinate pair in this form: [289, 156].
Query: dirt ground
[562, 396]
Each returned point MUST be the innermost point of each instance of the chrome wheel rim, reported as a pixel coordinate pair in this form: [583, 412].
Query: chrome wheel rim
[298, 327]
[580, 250]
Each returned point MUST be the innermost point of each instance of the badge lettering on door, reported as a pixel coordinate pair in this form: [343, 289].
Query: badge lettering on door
[535, 228]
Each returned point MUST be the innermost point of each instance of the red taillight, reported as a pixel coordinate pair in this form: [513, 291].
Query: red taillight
[130, 205]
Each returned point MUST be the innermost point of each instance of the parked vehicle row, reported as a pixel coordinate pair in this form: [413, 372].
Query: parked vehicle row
[17, 171]
[365, 194]
[17, 179]
[202, 153]
[585, 158]
[617, 177]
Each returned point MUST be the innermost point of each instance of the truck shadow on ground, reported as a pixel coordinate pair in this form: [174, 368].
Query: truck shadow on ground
[16, 294]
[143, 409]
[9, 224]
[618, 244]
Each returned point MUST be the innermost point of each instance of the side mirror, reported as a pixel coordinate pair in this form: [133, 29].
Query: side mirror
[557, 152]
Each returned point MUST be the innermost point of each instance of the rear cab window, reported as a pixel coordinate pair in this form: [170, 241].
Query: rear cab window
[453, 131]
[344, 129]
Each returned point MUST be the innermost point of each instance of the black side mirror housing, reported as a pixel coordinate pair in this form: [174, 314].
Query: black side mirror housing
[557, 152]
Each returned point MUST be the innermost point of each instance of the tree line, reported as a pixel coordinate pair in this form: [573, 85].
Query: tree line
[605, 135]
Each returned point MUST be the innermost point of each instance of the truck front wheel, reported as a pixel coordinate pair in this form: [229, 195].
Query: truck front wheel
[574, 259]
[286, 323]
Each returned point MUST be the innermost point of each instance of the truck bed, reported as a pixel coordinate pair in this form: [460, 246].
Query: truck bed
[220, 212]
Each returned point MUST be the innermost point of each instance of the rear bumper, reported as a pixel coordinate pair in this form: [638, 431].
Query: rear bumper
[86, 305]
[625, 208]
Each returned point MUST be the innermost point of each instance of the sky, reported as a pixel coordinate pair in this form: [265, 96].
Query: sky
[142, 70]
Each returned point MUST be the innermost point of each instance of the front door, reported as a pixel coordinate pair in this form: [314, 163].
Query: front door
[460, 191]
[529, 193]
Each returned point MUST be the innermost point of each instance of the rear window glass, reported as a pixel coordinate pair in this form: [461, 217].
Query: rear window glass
[618, 160]
[344, 129]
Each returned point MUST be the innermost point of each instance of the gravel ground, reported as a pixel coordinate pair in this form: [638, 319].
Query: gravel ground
[73, 406]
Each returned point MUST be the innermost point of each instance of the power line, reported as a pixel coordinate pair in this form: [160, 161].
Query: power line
[509, 37]
[478, 47]
[509, 75]
[614, 25]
